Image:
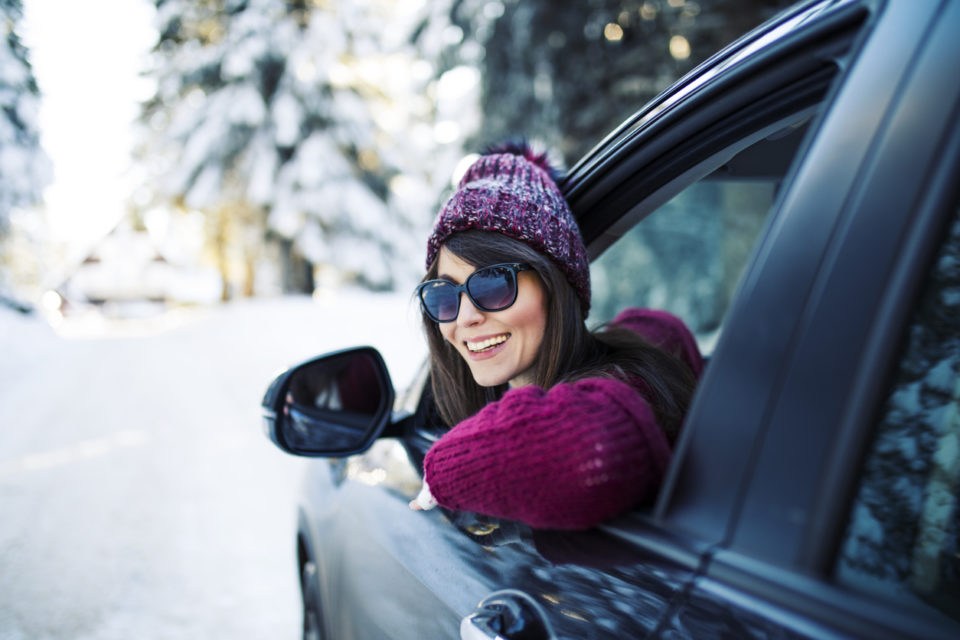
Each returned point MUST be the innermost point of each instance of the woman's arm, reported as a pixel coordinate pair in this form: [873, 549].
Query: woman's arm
[567, 458]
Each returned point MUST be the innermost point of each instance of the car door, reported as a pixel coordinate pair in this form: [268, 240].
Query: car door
[847, 522]
[717, 145]
[389, 572]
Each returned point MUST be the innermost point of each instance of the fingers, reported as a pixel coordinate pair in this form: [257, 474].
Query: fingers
[424, 500]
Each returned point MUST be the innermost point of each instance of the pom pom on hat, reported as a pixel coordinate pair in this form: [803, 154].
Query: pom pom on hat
[513, 189]
[523, 149]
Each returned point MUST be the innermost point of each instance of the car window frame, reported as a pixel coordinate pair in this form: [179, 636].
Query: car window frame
[690, 140]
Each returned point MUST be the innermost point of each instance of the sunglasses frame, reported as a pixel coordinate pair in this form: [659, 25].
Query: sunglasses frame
[514, 267]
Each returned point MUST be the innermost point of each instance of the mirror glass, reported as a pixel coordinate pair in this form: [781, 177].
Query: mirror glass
[333, 404]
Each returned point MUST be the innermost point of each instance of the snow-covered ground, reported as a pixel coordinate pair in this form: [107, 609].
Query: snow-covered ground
[139, 495]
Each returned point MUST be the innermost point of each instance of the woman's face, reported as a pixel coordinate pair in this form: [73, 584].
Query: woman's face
[498, 346]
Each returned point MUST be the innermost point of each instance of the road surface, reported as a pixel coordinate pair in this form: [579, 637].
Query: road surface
[139, 497]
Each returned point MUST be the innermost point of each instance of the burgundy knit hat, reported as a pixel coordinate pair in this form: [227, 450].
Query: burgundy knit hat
[513, 190]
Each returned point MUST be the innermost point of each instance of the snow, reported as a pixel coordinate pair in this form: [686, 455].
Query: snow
[287, 115]
[140, 496]
[23, 340]
[244, 106]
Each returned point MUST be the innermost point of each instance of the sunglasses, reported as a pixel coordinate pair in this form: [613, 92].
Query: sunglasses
[492, 288]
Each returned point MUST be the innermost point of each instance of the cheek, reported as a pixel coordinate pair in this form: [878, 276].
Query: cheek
[446, 330]
[538, 326]
[531, 319]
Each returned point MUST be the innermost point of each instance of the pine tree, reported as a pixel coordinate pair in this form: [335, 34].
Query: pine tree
[306, 122]
[24, 167]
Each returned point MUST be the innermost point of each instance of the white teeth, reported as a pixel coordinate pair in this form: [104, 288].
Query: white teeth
[486, 344]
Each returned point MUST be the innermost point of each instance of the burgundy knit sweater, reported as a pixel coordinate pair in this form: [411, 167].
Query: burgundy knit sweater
[566, 458]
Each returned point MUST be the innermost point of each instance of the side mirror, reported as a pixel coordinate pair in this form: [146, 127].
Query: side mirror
[331, 406]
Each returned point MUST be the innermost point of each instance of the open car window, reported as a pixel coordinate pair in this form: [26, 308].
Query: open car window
[688, 255]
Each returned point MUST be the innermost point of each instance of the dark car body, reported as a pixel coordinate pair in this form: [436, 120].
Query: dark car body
[813, 490]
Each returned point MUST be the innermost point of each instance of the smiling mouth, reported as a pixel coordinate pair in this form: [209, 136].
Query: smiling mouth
[486, 345]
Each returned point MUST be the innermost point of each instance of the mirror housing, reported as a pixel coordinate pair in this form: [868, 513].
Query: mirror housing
[331, 406]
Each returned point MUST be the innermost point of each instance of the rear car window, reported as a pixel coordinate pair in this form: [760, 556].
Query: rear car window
[902, 537]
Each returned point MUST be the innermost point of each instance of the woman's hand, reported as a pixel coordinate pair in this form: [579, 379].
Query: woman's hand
[424, 500]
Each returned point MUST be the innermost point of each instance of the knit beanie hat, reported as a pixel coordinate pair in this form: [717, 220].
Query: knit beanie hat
[513, 190]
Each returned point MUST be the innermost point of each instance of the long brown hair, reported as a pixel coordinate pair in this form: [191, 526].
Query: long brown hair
[569, 351]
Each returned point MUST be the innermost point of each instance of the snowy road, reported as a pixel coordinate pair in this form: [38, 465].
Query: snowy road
[138, 495]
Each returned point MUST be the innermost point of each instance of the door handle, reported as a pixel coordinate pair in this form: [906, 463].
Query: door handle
[508, 614]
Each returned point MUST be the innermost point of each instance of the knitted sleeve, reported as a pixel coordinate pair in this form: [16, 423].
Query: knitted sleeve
[567, 458]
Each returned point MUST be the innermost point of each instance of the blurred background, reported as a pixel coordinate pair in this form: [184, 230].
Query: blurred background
[195, 194]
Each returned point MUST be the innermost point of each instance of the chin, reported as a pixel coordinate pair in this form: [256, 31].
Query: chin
[489, 378]
[490, 381]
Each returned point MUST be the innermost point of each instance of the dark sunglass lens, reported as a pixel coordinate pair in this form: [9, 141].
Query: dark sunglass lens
[440, 300]
[493, 288]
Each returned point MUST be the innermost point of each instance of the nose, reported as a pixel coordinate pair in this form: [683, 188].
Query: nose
[469, 315]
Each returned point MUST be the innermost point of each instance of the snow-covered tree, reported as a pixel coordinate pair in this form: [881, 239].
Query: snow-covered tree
[24, 167]
[329, 125]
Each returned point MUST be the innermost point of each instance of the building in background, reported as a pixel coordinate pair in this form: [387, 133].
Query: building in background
[135, 272]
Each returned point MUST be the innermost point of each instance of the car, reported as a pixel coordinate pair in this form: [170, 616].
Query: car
[796, 200]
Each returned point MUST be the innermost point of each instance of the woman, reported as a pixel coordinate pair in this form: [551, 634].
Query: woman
[552, 425]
